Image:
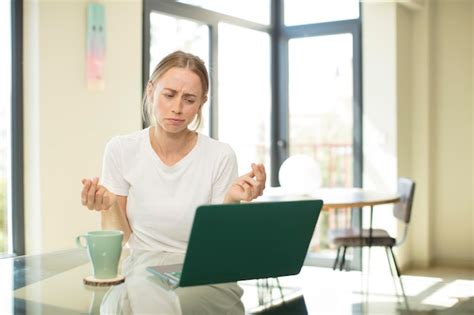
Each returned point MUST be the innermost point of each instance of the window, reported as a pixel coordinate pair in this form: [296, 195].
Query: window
[239, 81]
[320, 108]
[321, 115]
[281, 88]
[5, 126]
[299, 12]
[324, 111]
[11, 117]
[255, 11]
[244, 94]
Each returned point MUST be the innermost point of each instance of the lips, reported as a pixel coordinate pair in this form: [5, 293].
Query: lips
[174, 121]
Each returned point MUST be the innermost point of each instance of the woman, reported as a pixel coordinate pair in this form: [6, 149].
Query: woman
[142, 294]
[154, 179]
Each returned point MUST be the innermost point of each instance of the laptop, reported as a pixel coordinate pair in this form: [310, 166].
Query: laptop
[232, 242]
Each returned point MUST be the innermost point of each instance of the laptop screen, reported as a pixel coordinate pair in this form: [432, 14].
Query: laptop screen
[232, 242]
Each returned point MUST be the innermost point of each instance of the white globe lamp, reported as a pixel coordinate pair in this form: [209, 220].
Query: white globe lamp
[300, 174]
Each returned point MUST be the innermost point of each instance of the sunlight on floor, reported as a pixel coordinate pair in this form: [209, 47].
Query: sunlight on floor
[335, 292]
[451, 293]
[6, 285]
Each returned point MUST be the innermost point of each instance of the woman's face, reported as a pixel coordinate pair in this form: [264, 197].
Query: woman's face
[177, 97]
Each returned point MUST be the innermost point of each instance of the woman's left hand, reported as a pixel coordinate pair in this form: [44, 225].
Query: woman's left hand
[249, 186]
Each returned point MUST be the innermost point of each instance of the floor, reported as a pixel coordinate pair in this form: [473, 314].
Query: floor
[429, 291]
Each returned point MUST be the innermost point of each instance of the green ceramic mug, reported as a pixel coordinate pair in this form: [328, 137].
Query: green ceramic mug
[104, 248]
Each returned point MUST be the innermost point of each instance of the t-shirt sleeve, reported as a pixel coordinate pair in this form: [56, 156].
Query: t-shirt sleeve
[112, 168]
[227, 173]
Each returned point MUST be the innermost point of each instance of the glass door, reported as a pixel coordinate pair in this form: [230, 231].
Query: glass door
[321, 120]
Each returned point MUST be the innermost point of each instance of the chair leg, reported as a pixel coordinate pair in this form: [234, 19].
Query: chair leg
[389, 261]
[279, 287]
[395, 262]
[343, 260]
[337, 258]
[399, 278]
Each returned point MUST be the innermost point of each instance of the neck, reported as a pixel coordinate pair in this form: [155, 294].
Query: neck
[171, 144]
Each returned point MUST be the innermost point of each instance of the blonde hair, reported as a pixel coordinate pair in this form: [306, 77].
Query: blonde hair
[178, 59]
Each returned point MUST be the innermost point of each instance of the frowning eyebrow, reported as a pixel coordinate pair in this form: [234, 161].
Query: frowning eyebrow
[185, 94]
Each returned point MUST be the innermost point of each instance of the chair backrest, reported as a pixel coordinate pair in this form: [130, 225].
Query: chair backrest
[402, 209]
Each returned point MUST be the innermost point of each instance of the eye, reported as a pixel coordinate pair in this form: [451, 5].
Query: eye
[168, 95]
[190, 101]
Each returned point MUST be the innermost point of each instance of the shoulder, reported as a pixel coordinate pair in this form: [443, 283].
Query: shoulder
[128, 140]
[216, 147]
[127, 143]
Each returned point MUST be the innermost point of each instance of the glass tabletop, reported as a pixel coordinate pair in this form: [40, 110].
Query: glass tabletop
[53, 284]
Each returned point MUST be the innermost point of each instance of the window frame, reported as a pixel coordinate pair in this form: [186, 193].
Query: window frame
[280, 107]
[17, 175]
[200, 15]
[279, 37]
[280, 124]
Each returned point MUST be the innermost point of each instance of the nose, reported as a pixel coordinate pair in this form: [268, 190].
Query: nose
[176, 106]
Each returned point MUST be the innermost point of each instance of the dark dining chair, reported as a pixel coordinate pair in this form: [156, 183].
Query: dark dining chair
[346, 238]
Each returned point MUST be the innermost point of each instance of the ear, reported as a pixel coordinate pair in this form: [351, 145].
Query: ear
[204, 100]
[149, 91]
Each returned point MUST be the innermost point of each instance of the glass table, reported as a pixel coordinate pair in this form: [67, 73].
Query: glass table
[53, 284]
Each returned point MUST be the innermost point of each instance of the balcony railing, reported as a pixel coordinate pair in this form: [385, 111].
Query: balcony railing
[336, 162]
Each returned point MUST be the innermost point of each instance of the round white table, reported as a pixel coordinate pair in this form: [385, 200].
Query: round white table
[334, 198]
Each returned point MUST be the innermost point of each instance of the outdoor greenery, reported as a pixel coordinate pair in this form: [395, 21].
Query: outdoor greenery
[3, 209]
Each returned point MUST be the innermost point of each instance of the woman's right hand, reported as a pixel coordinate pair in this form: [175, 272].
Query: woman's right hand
[95, 196]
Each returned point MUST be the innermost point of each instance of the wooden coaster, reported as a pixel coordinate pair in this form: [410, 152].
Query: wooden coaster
[90, 280]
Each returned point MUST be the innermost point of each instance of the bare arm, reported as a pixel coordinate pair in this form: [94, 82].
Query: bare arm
[115, 218]
[112, 207]
[248, 186]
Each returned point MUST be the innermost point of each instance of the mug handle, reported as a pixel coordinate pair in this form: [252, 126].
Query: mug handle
[78, 241]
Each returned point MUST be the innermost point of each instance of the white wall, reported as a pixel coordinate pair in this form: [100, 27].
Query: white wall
[379, 71]
[433, 125]
[418, 250]
[452, 133]
[406, 126]
[66, 125]
[472, 131]
[380, 108]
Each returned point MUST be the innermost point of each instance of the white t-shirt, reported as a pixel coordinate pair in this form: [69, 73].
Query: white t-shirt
[162, 199]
